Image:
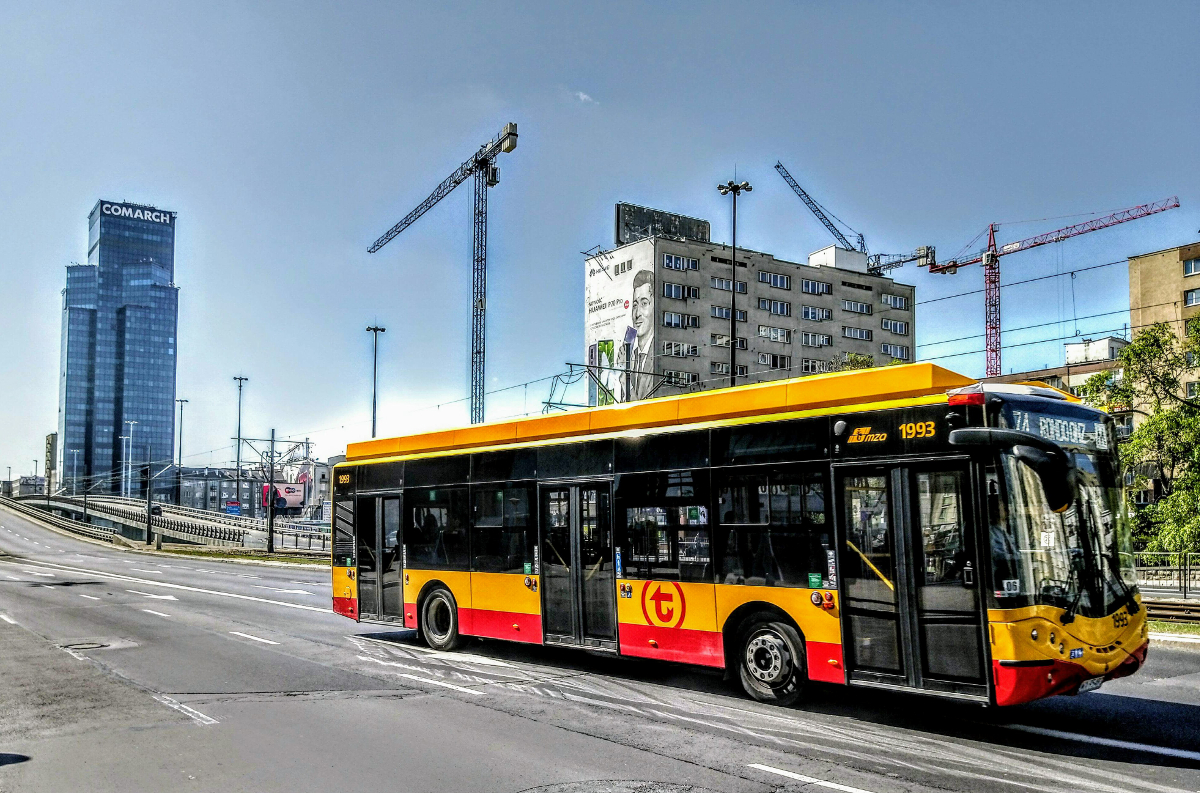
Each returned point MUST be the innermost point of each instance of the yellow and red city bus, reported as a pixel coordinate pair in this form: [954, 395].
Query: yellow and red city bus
[903, 527]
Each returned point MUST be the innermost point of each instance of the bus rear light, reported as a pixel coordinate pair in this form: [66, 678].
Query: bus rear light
[816, 598]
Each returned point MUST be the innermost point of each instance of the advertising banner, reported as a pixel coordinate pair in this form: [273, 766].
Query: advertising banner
[619, 327]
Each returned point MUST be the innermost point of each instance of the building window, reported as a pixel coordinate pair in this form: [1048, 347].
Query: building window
[896, 351]
[680, 291]
[674, 377]
[816, 287]
[772, 361]
[896, 326]
[672, 319]
[775, 279]
[743, 371]
[816, 339]
[782, 335]
[895, 301]
[722, 340]
[813, 366]
[1193, 389]
[726, 284]
[855, 333]
[721, 312]
[673, 262]
[623, 267]
[717, 367]
[815, 313]
[1191, 267]
[856, 307]
[677, 349]
[1191, 297]
[776, 307]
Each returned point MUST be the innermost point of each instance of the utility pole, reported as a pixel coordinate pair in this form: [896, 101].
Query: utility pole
[376, 330]
[736, 190]
[179, 465]
[271, 499]
[237, 476]
[129, 460]
[124, 460]
[74, 471]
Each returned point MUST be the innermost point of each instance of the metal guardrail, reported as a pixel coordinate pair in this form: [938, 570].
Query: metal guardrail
[66, 524]
[1167, 611]
[137, 517]
[1177, 571]
[212, 516]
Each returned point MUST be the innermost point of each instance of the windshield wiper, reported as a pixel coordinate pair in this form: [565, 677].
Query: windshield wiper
[1127, 593]
[1068, 616]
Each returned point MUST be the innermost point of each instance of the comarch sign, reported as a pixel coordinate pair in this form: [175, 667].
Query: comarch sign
[136, 213]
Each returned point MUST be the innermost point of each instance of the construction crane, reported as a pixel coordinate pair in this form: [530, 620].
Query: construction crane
[990, 258]
[876, 262]
[481, 165]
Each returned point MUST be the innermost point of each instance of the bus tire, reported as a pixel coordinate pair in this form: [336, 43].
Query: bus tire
[771, 661]
[439, 620]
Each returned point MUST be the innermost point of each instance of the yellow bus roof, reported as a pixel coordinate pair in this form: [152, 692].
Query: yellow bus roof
[760, 399]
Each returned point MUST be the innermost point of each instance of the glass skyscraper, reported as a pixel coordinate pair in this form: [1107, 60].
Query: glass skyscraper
[119, 318]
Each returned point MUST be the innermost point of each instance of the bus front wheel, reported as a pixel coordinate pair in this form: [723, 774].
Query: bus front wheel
[772, 663]
[439, 620]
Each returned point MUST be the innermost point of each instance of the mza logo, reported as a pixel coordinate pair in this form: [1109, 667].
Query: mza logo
[864, 435]
[663, 604]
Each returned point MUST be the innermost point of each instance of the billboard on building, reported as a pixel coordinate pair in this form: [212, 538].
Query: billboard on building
[287, 496]
[619, 327]
[635, 223]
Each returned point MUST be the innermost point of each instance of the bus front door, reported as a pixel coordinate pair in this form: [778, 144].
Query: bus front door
[578, 578]
[909, 569]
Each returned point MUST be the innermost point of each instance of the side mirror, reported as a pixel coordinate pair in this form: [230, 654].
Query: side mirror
[1054, 468]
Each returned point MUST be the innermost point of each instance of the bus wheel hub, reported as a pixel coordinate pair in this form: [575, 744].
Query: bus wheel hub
[766, 658]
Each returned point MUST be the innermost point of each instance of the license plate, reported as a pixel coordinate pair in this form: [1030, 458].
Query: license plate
[1090, 685]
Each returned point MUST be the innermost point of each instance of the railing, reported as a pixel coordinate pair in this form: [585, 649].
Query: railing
[1176, 572]
[213, 516]
[134, 512]
[66, 524]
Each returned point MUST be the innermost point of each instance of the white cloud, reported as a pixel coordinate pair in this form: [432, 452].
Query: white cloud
[584, 98]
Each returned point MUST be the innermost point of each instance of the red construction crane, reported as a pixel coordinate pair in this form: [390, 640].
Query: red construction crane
[990, 258]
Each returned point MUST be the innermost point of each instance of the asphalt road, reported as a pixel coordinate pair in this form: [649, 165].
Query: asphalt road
[121, 670]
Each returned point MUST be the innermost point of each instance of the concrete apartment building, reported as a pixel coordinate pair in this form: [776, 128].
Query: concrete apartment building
[657, 315]
[1164, 286]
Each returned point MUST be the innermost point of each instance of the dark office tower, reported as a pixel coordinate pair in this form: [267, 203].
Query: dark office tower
[120, 313]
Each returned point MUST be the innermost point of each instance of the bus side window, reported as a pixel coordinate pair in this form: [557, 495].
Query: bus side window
[662, 526]
[435, 528]
[503, 530]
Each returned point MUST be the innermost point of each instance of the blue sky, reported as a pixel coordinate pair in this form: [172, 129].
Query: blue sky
[289, 136]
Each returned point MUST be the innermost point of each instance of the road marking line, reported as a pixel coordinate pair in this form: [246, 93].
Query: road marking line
[89, 597]
[156, 597]
[8, 619]
[255, 638]
[283, 591]
[166, 585]
[184, 709]
[43, 575]
[1112, 742]
[1173, 637]
[12, 577]
[158, 613]
[440, 683]
[144, 570]
[810, 780]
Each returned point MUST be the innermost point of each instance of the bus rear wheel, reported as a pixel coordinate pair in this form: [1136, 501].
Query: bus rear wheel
[439, 620]
[771, 662]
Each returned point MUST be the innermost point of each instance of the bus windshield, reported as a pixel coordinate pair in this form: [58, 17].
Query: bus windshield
[1080, 559]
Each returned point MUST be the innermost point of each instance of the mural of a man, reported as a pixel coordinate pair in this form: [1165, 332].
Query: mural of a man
[637, 351]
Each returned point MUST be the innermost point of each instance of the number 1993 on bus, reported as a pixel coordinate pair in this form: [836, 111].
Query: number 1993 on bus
[920, 429]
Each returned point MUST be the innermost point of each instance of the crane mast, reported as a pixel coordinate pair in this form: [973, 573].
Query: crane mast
[989, 257]
[482, 166]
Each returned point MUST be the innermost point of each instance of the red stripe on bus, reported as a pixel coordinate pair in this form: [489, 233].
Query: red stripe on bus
[705, 648]
[1016, 685]
[510, 625]
[347, 607]
[825, 662]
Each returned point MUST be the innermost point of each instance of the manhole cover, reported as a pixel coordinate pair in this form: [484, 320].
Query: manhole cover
[84, 646]
[619, 786]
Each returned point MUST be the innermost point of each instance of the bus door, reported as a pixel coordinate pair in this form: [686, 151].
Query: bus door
[578, 578]
[913, 616]
[378, 544]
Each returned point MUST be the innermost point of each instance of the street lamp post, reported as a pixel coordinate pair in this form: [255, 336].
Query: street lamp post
[736, 189]
[129, 462]
[124, 458]
[74, 472]
[237, 475]
[179, 465]
[376, 330]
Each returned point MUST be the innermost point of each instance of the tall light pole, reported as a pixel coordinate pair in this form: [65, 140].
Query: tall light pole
[35, 464]
[237, 474]
[74, 471]
[122, 438]
[179, 465]
[376, 330]
[736, 189]
[129, 461]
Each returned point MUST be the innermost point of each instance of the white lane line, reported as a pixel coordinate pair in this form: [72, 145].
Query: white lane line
[12, 578]
[808, 779]
[381, 662]
[156, 613]
[89, 597]
[255, 638]
[284, 591]
[43, 575]
[8, 619]
[184, 709]
[144, 570]
[182, 587]
[156, 597]
[1111, 742]
[1174, 637]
